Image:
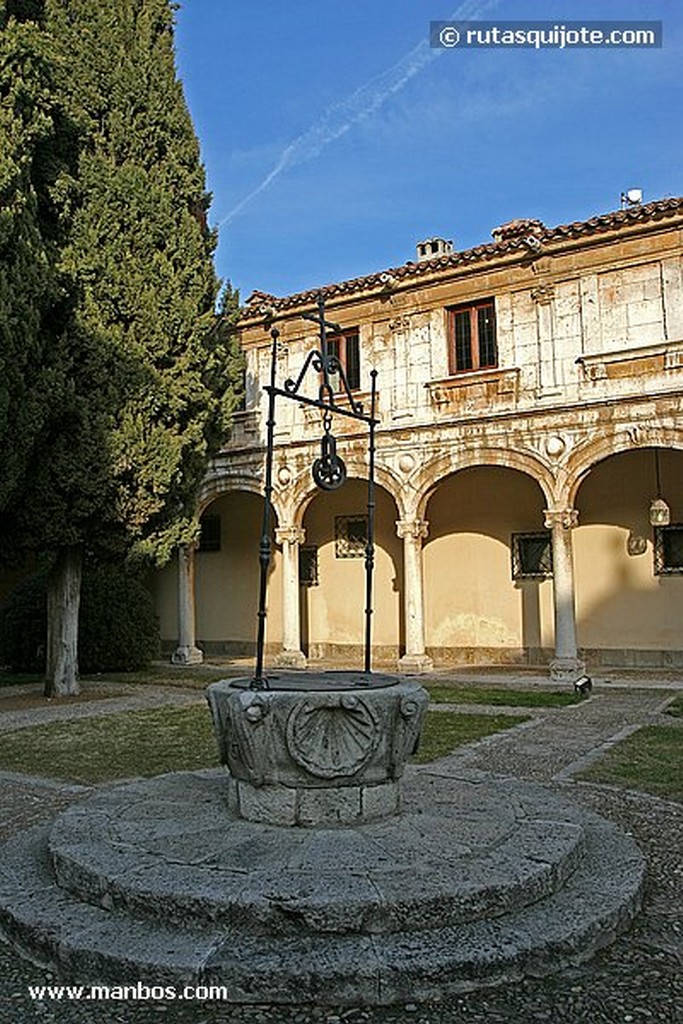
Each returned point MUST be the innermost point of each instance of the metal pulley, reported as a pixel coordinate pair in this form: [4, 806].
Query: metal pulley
[329, 471]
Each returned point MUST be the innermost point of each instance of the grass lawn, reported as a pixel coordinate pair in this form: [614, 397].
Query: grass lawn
[650, 760]
[8, 678]
[200, 676]
[500, 696]
[119, 746]
[445, 730]
[155, 675]
[146, 743]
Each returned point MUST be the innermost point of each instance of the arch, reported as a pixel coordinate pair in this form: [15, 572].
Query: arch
[215, 487]
[479, 606]
[332, 610]
[631, 439]
[303, 489]
[439, 469]
[624, 602]
[227, 575]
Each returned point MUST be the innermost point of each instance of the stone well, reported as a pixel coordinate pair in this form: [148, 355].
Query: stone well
[322, 749]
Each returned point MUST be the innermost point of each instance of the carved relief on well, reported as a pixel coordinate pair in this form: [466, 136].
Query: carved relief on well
[317, 738]
[333, 739]
[239, 731]
[406, 735]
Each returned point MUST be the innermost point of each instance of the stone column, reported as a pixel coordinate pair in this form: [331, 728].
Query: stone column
[187, 652]
[566, 665]
[291, 656]
[412, 532]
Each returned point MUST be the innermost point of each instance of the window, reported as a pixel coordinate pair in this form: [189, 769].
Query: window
[472, 332]
[350, 536]
[346, 347]
[669, 550]
[210, 533]
[532, 556]
[308, 566]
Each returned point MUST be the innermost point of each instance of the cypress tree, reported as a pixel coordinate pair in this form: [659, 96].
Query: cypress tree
[34, 301]
[146, 369]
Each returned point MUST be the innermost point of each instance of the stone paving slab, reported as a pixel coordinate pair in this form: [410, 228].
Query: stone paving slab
[172, 849]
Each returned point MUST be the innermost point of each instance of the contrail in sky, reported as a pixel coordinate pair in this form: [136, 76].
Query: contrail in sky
[340, 117]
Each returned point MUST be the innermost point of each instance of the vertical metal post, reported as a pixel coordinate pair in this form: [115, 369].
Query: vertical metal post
[323, 328]
[259, 682]
[370, 545]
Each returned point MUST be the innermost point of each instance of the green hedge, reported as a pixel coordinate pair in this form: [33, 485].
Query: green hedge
[118, 629]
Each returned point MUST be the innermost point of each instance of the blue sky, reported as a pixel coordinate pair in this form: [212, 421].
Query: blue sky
[334, 141]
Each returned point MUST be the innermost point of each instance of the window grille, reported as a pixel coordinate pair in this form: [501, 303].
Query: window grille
[668, 550]
[532, 556]
[472, 332]
[350, 536]
[346, 347]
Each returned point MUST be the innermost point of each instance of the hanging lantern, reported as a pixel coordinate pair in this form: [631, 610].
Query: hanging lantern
[660, 513]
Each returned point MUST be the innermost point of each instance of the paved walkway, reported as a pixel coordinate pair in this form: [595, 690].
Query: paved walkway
[132, 698]
[559, 742]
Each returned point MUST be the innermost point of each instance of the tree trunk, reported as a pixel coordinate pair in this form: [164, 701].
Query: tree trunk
[63, 601]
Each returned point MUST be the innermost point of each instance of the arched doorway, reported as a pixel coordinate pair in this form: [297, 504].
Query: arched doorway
[227, 574]
[488, 585]
[629, 573]
[333, 576]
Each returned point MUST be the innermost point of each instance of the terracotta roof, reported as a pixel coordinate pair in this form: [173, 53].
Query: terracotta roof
[527, 236]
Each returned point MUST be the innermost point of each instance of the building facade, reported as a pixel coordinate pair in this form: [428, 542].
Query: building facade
[529, 462]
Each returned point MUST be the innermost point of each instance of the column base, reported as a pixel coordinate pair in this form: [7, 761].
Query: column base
[566, 670]
[291, 659]
[187, 656]
[415, 664]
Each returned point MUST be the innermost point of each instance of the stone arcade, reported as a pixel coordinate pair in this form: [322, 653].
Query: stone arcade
[515, 471]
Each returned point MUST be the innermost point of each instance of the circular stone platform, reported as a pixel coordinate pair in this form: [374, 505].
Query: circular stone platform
[479, 881]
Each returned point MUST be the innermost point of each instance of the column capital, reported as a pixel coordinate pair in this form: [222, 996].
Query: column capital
[413, 528]
[543, 294]
[290, 535]
[567, 518]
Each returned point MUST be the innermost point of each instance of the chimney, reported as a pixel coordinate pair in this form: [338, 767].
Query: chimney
[433, 249]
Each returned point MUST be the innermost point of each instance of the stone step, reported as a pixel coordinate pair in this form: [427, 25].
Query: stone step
[460, 858]
[88, 943]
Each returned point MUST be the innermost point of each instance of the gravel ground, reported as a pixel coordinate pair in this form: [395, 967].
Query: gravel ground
[638, 979]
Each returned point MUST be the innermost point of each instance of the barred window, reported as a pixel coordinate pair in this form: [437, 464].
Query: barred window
[346, 347]
[350, 536]
[668, 550]
[532, 556]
